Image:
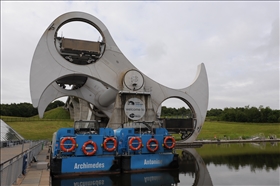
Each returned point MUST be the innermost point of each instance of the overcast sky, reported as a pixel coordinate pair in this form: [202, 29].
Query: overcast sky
[237, 41]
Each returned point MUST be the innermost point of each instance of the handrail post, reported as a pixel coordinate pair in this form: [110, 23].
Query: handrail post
[8, 181]
[1, 173]
[22, 147]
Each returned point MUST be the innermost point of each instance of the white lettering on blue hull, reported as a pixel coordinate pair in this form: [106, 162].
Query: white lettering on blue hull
[88, 165]
[152, 178]
[152, 162]
[89, 183]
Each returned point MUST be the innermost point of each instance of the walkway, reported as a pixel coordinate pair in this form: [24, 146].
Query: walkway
[9, 152]
[37, 174]
[200, 143]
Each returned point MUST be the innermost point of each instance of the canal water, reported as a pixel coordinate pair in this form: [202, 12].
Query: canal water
[211, 164]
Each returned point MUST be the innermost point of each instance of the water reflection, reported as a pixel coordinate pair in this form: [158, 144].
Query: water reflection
[217, 164]
[146, 178]
[193, 165]
[242, 163]
[257, 156]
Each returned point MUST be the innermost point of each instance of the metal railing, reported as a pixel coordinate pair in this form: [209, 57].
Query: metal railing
[13, 168]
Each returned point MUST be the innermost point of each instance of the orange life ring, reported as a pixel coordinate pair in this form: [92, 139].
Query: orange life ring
[165, 142]
[139, 145]
[110, 139]
[62, 145]
[91, 152]
[149, 146]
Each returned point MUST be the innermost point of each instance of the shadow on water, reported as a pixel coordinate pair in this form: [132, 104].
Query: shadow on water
[145, 178]
[256, 156]
[190, 163]
[194, 167]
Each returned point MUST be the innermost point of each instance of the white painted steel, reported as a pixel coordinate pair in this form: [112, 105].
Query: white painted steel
[105, 76]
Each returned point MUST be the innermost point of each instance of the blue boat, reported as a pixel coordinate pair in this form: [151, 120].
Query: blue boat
[88, 149]
[84, 149]
[145, 146]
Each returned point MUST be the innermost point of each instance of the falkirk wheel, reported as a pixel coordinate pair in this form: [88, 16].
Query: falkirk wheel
[103, 81]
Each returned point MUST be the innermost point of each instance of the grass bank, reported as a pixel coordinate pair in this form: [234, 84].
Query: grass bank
[39, 130]
[43, 129]
[235, 149]
[211, 150]
[34, 128]
[235, 130]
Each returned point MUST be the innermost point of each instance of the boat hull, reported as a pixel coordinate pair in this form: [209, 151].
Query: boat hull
[151, 162]
[69, 166]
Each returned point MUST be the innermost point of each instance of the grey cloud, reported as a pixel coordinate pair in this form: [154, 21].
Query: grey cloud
[237, 41]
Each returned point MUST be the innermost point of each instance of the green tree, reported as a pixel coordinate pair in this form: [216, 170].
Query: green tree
[55, 104]
[253, 114]
[214, 112]
[25, 109]
[240, 116]
[229, 114]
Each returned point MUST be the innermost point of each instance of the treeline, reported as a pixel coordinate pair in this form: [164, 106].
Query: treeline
[25, 109]
[245, 114]
[238, 114]
[173, 112]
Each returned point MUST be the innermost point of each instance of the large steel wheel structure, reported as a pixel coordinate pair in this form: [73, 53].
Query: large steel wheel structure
[103, 78]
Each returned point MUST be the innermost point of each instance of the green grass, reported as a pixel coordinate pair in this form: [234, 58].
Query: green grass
[57, 113]
[39, 130]
[234, 130]
[35, 128]
[211, 150]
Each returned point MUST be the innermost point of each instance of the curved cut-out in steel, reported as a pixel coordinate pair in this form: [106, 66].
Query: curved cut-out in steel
[104, 76]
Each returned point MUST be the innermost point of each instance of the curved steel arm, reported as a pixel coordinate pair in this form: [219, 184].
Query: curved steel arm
[105, 76]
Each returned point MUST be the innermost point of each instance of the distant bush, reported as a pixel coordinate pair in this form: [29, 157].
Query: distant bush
[238, 114]
[25, 109]
[245, 114]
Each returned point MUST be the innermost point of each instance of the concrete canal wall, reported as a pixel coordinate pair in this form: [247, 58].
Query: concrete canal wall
[197, 144]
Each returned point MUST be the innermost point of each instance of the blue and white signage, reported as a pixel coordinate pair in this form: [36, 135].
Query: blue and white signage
[147, 161]
[134, 109]
[86, 164]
